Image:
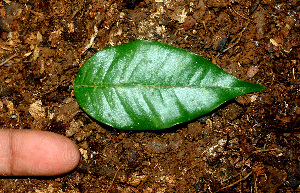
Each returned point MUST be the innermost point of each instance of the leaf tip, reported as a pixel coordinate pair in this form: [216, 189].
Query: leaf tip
[259, 87]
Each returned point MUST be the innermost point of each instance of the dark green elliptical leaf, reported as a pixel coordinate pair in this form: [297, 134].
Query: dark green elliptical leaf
[144, 85]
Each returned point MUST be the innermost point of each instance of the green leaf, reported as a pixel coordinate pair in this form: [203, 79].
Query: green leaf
[144, 85]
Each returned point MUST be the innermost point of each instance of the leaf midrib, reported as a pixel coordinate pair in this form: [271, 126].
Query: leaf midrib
[155, 86]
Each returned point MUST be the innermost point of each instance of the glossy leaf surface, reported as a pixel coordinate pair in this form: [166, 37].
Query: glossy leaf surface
[146, 85]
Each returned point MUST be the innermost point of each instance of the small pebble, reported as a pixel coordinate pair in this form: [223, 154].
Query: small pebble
[222, 44]
[189, 24]
[252, 71]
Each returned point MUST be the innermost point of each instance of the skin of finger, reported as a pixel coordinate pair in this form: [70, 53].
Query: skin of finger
[38, 153]
[5, 152]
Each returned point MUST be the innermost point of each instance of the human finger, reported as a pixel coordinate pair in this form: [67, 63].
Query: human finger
[36, 153]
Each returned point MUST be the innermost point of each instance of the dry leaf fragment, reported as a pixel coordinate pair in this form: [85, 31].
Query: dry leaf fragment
[36, 110]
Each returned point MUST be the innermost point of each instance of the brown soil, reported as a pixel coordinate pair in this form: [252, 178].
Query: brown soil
[250, 144]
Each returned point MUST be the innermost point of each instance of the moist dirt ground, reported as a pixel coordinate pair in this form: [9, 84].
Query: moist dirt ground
[249, 144]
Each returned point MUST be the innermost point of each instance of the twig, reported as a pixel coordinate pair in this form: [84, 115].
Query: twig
[92, 40]
[254, 7]
[101, 18]
[266, 150]
[96, 26]
[236, 42]
[8, 59]
[112, 182]
[231, 8]
[234, 183]
[204, 25]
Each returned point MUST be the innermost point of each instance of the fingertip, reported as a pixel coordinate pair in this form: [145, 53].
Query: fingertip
[73, 157]
[67, 155]
[42, 153]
